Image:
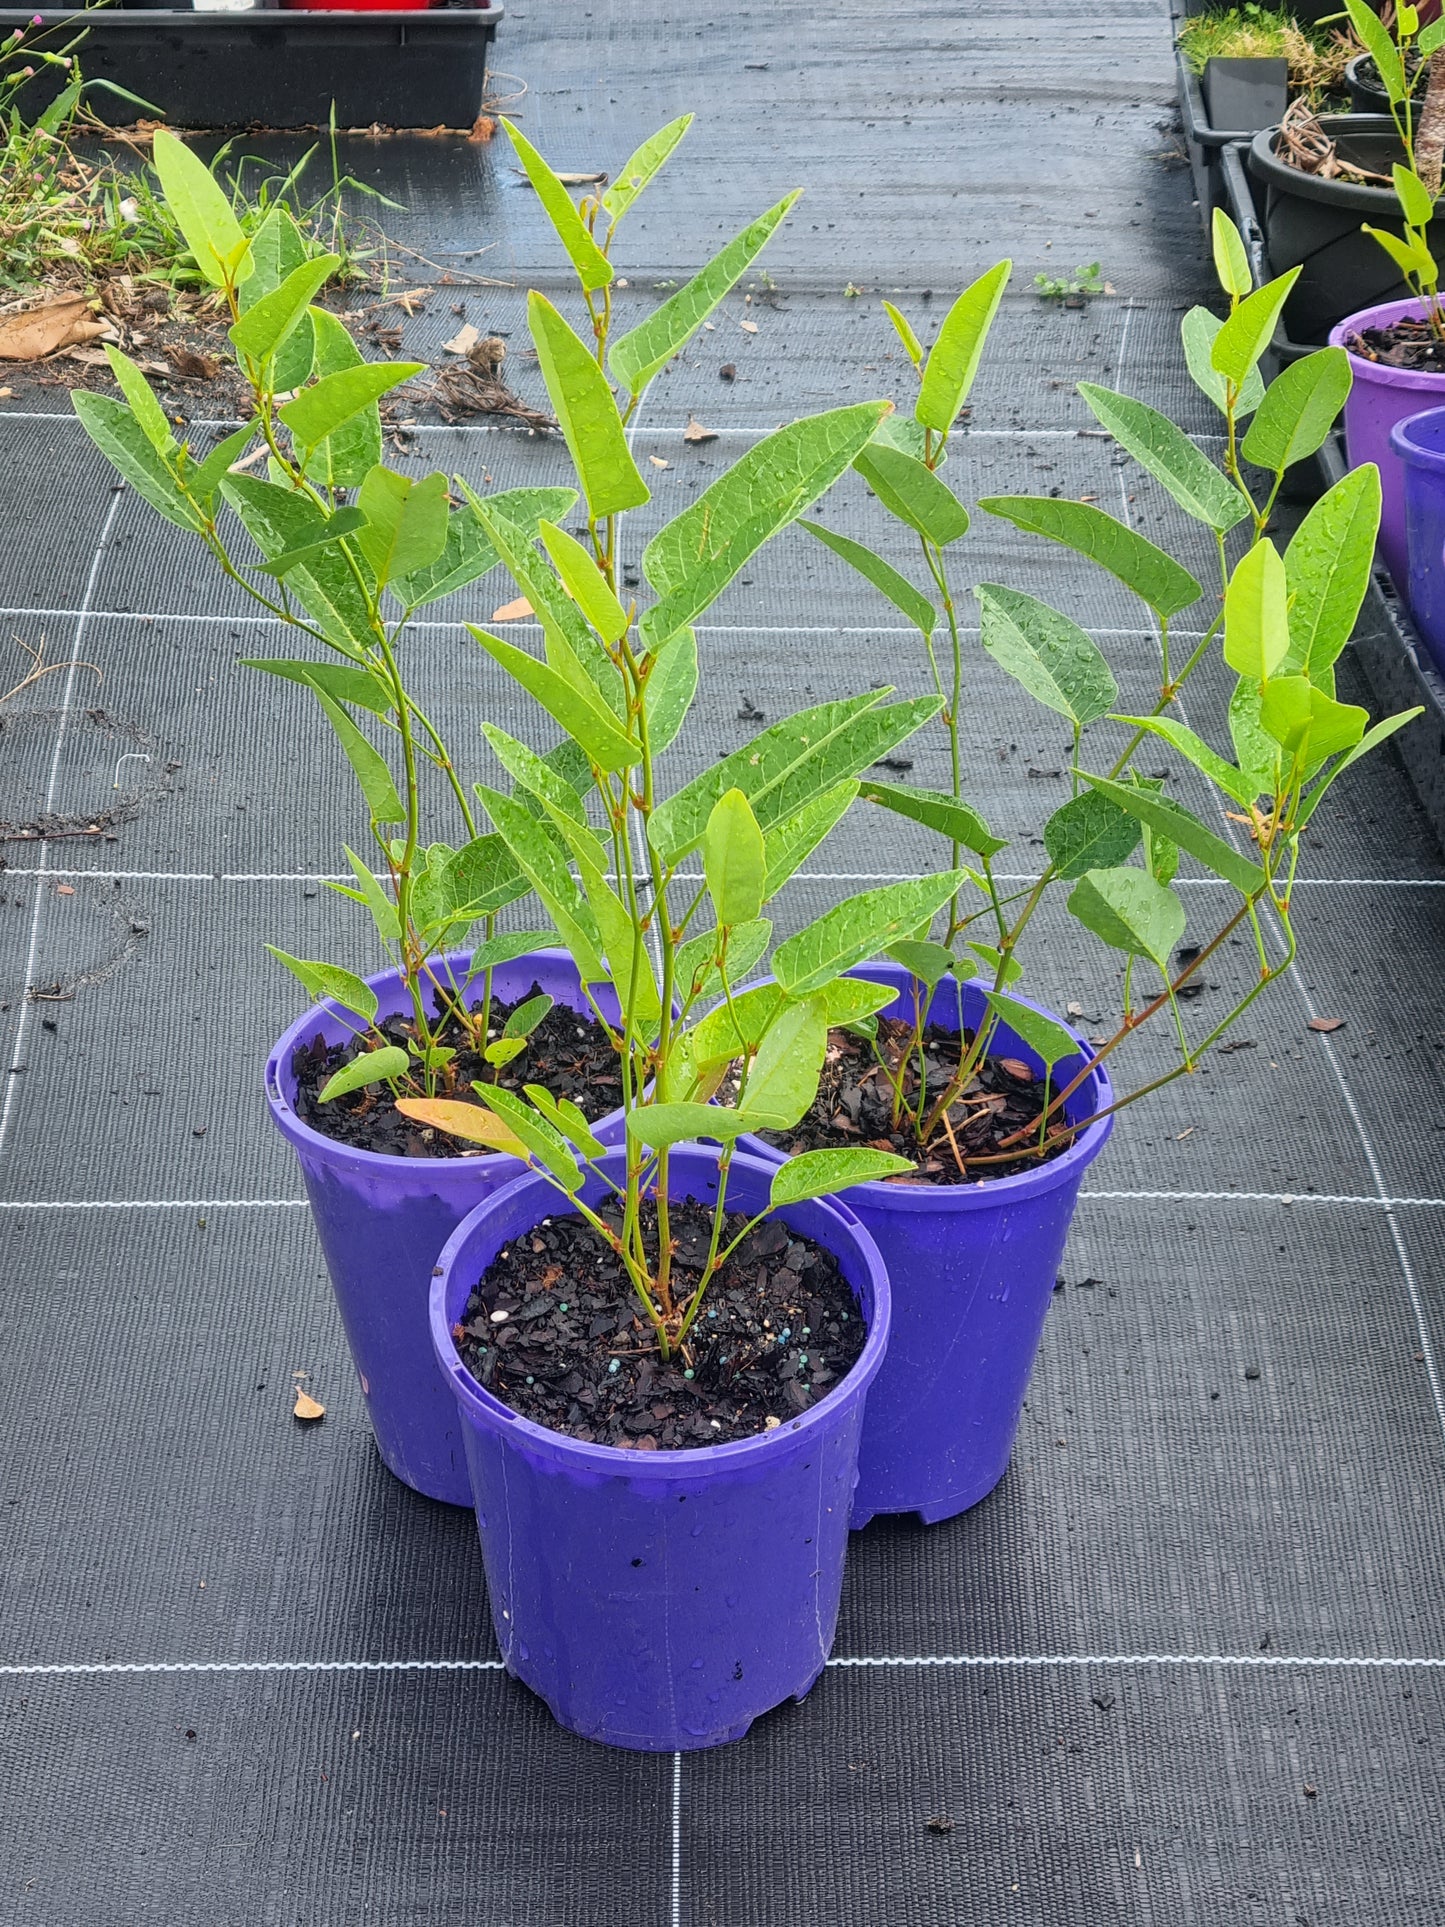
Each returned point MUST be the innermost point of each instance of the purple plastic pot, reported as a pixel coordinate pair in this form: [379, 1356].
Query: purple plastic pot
[972, 1269]
[1419, 442]
[662, 1600]
[1378, 398]
[382, 1221]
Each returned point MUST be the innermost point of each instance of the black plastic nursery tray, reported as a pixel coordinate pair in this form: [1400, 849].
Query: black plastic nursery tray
[269, 68]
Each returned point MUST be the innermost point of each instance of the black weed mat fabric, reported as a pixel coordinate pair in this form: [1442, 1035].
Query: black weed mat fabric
[1186, 1664]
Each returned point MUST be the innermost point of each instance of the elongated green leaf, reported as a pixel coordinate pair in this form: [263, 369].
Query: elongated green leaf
[279, 519]
[585, 582]
[1255, 750]
[1380, 46]
[696, 974]
[821, 1174]
[954, 357]
[529, 769]
[643, 166]
[594, 270]
[1173, 821]
[369, 765]
[1194, 749]
[624, 944]
[670, 689]
[1327, 570]
[1231, 262]
[1250, 329]
[328, 404]
[646, 349]
[913, 493]
[851, 931]
[1055, 660]
[847, 1000]
[1170, 456]
[1198, 331]
[956, 820]
[371, 1067]
[930, 963]
[733, 860]
[406, 522]
[1417, 203]
[567, 1120]
[783, 1080]
[203, 213]
[122, 439]
[538, 856]
[269, 322]
[584, 406]
[278, 248]
[343, 521]
[903, 328]
[1256, 613]
[584, 719]
[344, 458]
[1306, 723]
[1045, 1036]
[506, 949]
[144, 406]
[330, 980]
[369, 891]
[1129, 911]
[793, 841]
[543, 1141]
[1156, 578]
[346, 685]
[735, 1028]
[1409, 254]
[466, 555]
[484, 877]
[1298, 410]
[663, 1124]
[1090, 832]
[898, 589]
[1371, 739]
[202, 481]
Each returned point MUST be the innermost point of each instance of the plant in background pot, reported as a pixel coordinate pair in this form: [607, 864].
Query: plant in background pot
[1003, 1105]
[1251, 59]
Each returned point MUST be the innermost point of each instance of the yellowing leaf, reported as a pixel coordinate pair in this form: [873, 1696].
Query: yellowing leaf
[468, 1121]
[513, 611]
[307, 1408]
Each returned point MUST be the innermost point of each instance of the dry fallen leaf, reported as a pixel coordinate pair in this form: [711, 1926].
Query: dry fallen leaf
[194, 367]
[462, 342]
[483, 128]
[512, 611]
[695, 432]
[7, 394]
[409, 297]
[657, 462]
[581, 180]
[748, 327]
[54, 324]
[1326, 1023]
[308, 1408]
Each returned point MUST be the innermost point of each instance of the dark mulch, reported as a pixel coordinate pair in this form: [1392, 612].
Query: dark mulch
[854, 1106]
[1403, 344]
[555, 1330]
[568, 1052]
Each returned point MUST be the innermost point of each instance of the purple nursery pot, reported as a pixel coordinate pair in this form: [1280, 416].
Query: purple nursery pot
[1419, 442]
[1380, 397]
[382, 1220]
[662, 1600]
[972, 1268]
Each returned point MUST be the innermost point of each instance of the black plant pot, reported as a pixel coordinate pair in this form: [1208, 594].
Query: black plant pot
[1367, 95]
[1317, 226]
[1245, 95]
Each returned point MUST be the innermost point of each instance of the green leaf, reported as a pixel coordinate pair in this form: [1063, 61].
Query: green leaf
[697, 975]
[1090, 832]
[1308, 725]
[783, 1080]
[359, 686]
[1298, 410]
[819, 1174]
[1194, 749]
[643, 166]
[1410, 254]
[1173, 821]
[206, 477]
[1256, 613]
[278, 248]
[1005, 969]
[567, 1120]
[406, 522]
[367, 763]
[271, 321]
[503, 1050]
[144, 406]
[1416, 201]
[671, 686]
[370, 892]
[318, 411]
[330, 980]
[594, 270]
[122, 438]
[585, 719]
[1044, 1036]
[646, 349]
[1327, 570]
[506, 949]
[1381, 48]
[1231, 262]
[1250, 329]
[202, 211]
[483, 877]
[735, 1029]
[467, 554]
[538, 856]
[1170, 456]
[278, 519]
[733, 860]
[791, 842]
[534, 774]
[1256, 752]
[343, 521]
[1198, 331]
[854, 929]
[526, 1017]
[1057, 663]
[587, 412]
[935, 811]
[663, 1124]
[930, 963]
[954, 357]
[371, 1067]
[847, 1000]
[545, 1144]
[903, 328]
[1153, 576]
[585, 582]
[347, 456]
[1371, 739]
[898, 589]
[912, 492]
[1129, 911]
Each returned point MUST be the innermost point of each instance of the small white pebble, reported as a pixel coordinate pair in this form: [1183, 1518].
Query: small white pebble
[499, 1318]
[771, 1424]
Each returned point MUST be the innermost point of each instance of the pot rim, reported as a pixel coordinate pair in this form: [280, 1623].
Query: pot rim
[660, 1466]
[353, 1157]
[1378, 373]
[1415, 454]
[1379, 201]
